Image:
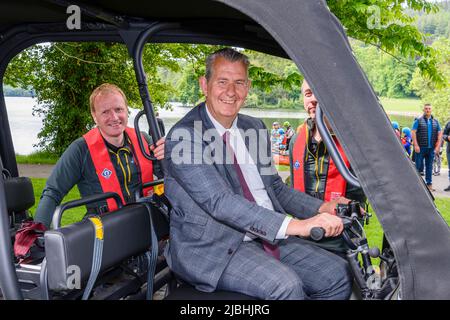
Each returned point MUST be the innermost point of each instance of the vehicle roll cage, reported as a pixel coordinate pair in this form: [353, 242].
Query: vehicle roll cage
[134, 34]
[332, 149]
[262, 25]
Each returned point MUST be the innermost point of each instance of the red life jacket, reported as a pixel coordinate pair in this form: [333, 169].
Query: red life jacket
[335, 183]
[284, 142]
[105, 170]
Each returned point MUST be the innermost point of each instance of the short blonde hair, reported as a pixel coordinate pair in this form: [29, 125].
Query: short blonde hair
[105, 88]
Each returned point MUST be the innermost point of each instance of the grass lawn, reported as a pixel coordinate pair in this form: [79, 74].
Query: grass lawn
[375, 232]
[401, 104]
[39, 157]
[282, 167]
[71, 215]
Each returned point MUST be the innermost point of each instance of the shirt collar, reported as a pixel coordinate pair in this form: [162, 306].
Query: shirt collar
[220, 128]
[114, 148]
[311, 125]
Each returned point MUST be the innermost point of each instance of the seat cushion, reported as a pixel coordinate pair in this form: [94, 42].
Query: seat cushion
[126, 234]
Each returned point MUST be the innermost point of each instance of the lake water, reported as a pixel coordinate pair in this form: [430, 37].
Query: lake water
[25, 127]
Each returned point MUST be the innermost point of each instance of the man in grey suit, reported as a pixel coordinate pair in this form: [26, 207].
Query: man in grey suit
[231, 226]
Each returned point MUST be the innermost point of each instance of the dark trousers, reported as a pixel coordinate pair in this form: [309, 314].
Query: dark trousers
[448, 161]
[420, 168]
[304, 271]
[426, 154]
[414, 159]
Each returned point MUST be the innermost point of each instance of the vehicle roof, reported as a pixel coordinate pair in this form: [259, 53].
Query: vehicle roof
[201, 21]
[30, 11]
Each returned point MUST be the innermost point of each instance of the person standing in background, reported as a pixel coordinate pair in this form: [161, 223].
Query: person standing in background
[426, 134]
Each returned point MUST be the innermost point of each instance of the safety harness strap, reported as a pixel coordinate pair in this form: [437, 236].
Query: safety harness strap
[105, 170]
[152, 255]
[96, 255]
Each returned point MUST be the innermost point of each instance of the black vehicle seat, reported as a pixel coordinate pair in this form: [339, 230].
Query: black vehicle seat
[126, 234]
[19, 198]
[177, 289]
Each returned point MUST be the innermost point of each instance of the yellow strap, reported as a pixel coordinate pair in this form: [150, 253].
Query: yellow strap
[98, 225]
[159, 189]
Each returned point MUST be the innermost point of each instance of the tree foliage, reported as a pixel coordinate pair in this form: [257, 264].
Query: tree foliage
[275, 82]
[394, 48]
[436, 24]
[189, 88]
[64, 74]
[439, 97]
[387, 25]
[388, 76]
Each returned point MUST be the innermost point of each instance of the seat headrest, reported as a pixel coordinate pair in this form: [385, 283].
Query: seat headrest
[19, 194]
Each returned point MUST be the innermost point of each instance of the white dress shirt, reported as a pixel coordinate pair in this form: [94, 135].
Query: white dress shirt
[250, 172]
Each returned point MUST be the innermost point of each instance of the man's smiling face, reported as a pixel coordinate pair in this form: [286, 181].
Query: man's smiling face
[226, 90]
[110, 114]
[309, 100]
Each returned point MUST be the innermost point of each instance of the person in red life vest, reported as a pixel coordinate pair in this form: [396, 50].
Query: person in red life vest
[105, 159]
[312, 169]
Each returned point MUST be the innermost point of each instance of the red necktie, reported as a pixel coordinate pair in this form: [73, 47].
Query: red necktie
[271, 249]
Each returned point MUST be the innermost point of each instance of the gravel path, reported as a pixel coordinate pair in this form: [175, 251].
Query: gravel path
[35, 170]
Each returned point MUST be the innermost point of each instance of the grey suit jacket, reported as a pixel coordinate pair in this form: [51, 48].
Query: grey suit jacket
[210, 215]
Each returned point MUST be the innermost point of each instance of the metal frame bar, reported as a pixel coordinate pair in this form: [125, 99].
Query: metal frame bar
[334, 153]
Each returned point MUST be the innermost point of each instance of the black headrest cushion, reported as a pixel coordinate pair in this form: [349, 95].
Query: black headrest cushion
[19, 194]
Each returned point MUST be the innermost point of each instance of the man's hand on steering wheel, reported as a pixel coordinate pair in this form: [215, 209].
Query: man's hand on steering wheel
[330, 206]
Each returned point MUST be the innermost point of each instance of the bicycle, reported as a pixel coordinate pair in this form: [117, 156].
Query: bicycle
[437, 164]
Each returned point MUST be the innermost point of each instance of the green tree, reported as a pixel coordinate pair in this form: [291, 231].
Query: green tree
[63, 75]
[189, 88]
[430, 26]
[435, 24]
[275, 81]
[388, 76]
[387, 25]
[439, 97]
